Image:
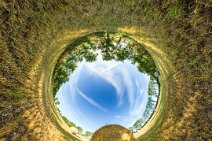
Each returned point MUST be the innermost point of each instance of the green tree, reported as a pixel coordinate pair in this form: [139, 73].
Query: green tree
[131, 129]
[152, 86]
[79, 129]
[137, 124]
[69, 123]
[57, 102]
[87, 134]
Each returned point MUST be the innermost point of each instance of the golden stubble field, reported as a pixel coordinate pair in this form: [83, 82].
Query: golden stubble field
[33, 34]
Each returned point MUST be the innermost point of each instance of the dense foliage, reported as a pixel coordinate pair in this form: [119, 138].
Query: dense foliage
[111, 47]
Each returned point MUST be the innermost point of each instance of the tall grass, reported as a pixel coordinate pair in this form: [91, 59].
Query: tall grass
[182, 29]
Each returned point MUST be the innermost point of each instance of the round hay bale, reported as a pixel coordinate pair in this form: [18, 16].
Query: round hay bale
[112, 133]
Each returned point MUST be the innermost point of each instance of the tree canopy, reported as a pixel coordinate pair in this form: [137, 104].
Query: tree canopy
[111, 47]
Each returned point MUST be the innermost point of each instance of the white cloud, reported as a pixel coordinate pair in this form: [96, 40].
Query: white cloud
[120, 77]
[67, 106]
[91, 101]
[105, 70]
[139, 105]
[127, 80]
[110, 67]
[121, 117]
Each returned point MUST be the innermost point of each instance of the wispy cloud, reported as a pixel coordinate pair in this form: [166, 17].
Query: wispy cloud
[106, 71]
[92, 102]
[110, 67]
[139, 104]
[119, 77]
[121, 117]
[122, 79]
[129, 85]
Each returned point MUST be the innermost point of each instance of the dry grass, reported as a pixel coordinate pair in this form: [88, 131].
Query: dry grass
[181, 29]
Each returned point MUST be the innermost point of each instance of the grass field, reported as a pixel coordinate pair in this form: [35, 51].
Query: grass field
[33, 34]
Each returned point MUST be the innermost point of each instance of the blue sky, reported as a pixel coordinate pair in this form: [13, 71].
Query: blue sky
[104, 92]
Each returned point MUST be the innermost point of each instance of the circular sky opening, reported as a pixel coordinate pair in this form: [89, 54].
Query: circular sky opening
[103, 79]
